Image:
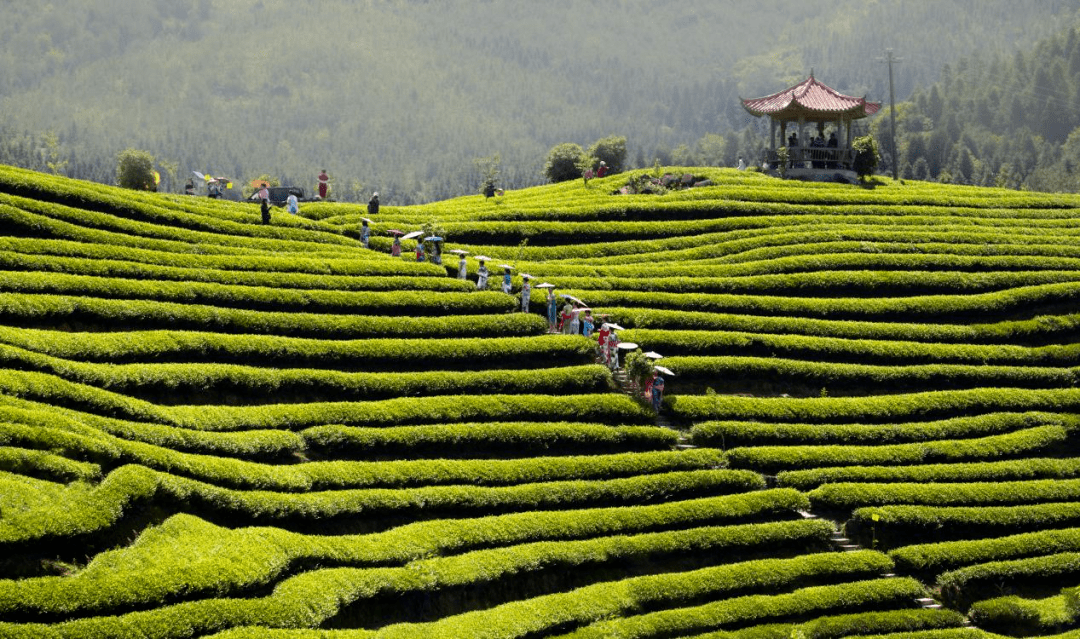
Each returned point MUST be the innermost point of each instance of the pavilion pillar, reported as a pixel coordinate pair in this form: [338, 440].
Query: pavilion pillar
[772, 135]
[802, 139]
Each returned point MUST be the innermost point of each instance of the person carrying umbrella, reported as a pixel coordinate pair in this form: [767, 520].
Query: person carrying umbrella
[481, 274]
[436, 249]
[395, 248]
[657, 390]
[526, 292]
[587, 323]
[462, 267]
[552, 309]
[365, 232]
[567, 313]
[613, 349]
[601, 340]
[419, 250]
[507, 284]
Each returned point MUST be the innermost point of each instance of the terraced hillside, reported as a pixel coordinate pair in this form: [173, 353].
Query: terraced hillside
[212, 427]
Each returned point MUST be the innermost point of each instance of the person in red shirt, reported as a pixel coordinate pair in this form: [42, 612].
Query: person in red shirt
[324, 184]
[602, 170]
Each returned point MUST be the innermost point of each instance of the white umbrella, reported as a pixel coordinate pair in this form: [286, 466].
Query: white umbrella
[654, 355]
[627, 346]
[544, 285]
[409, 236]
[458, 251]
[616, 327]
[482, 258]
[506, 266]
[665, 371]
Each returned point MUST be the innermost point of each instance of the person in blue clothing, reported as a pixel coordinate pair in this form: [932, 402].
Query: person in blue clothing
[365, 232]
[552, 310]
[508, 282]
[587, 324]
[419, 250]
[657, 390]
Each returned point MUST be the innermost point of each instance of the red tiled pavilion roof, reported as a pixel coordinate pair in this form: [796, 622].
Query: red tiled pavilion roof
[811, 99]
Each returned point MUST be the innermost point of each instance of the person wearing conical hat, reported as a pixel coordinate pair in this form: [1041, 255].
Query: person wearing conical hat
[481, 277]
[526, 293]
[552, 311]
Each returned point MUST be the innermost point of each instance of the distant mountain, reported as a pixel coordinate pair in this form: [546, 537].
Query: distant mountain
[401, 95]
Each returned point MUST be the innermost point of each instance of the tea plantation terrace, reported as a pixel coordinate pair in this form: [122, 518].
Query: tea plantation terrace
[211, 427]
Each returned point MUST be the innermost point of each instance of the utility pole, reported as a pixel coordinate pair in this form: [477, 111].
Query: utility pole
[889, 59]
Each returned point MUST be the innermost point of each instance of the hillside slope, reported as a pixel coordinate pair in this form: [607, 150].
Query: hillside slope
[213, 427]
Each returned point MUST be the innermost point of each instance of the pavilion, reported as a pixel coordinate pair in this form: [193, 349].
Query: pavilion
[811, 102]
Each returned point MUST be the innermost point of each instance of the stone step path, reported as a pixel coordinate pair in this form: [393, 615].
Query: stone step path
[843, 544]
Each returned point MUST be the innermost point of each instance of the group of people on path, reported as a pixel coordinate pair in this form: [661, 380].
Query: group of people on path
[574, 319]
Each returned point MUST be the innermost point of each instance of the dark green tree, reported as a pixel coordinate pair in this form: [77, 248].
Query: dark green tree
[488, 168]
[563, 161]
[135, 170]
[610, 150]
[867, 155]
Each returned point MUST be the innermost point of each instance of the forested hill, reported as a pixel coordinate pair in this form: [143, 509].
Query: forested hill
[1006, 119]
[402, 95]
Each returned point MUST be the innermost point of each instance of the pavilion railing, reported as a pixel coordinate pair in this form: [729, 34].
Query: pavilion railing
[814, 157]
